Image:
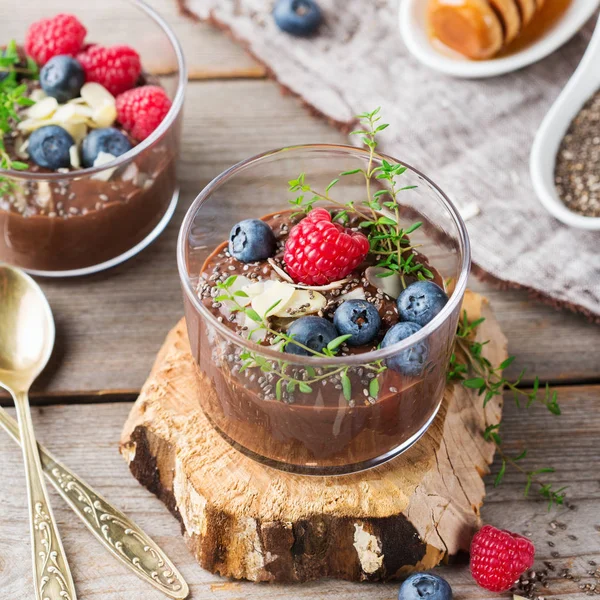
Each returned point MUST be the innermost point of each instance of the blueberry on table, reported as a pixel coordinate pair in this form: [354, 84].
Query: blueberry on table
[424, 586]
[313, 332]
[357, 318]
[62, 78]
[108, 140]
[411, 361]
[251, 240]
[421, 301]
[297, 17]
[49, 147]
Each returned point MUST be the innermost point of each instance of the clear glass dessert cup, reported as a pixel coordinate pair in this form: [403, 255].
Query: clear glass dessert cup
[84, 221]
[342, 422]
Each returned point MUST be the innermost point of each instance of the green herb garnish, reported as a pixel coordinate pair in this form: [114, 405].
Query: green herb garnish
[12, 95]
[285, 378]
[379, 212]
[477, 373]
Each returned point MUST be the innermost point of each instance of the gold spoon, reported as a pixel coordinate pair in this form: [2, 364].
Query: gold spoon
[115, 531]
[26, 341]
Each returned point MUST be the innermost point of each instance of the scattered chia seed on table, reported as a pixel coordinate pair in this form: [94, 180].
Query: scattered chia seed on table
[577, 172]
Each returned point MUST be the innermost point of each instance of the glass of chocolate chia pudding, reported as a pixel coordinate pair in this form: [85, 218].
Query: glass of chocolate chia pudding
[116, 189]
[322, 288]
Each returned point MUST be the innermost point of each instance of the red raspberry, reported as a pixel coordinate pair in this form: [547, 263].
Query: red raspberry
[62, 34]
[499, 558]
[142, 110]
[116, 68]
[318, 251]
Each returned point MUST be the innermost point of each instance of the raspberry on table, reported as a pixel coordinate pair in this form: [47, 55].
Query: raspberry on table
[499, 558]
[62, 34]
[142, 110]
[318, 251]
[117, 68]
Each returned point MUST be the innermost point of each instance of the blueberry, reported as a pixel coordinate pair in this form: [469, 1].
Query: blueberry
[421, 586]
[251, 240]
[411, 361]
[421, 301]
[108, 140]
[62, 78]
[297, 17]
[313, 332]
[49, 147]
[357, 318]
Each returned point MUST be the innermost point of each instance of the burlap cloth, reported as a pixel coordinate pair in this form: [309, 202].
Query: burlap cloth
[473, 138]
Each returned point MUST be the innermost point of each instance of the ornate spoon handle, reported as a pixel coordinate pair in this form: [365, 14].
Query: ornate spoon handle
[52, 577]
[119, 535]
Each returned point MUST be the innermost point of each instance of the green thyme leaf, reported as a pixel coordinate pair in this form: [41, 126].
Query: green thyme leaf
[337, 342]
[374, 388]
[346, 386]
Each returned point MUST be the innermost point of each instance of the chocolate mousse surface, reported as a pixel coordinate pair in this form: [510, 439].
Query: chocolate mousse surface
[322, 429]
[69, 224]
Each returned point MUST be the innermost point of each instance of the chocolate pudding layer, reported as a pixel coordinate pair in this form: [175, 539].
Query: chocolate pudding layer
[322, 431]
[79, 222]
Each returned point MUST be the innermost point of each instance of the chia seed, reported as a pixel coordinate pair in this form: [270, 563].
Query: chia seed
[577, 171]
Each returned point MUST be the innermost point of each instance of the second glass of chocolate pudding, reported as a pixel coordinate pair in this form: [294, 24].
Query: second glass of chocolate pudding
[312, 414]
[80, 221]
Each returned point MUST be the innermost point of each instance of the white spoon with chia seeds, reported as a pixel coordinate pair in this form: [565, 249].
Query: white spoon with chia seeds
[584, 83]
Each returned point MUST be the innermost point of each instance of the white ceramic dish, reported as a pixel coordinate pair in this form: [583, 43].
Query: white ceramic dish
[413, 27]
[582, 85]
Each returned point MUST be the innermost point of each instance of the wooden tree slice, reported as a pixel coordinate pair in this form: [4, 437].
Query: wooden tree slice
[245, 520]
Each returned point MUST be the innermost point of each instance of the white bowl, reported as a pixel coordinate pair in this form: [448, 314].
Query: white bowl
[413, 27]
[582, 85]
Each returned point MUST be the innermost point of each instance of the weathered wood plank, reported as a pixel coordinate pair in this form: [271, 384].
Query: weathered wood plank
[209, 54]
[568, 443]
[111, 325]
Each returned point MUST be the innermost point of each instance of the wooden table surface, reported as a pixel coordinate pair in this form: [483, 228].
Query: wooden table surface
[110, 326]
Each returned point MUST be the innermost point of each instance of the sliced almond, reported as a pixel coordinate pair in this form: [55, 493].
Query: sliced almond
[239, 284]
[38, 95]
[21, 147]
[130, 173]
[72, 113]
[256, 332]
[44, 194]
[254, 289]
[104, 116]
[390, 285]
[74, 157]
[103, 158]
[358, 293]
[280, 271]
[29, 125]
[302, 302]
[96, 95]
[277, 292]
[77, 130]
[43, 109]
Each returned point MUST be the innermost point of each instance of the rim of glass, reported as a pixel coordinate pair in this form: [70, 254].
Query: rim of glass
[355, 359]
[156, 134]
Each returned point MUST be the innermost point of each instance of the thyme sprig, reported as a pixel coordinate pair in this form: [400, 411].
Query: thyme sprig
[488, 380]
[477, 373]
[281, 369]
[379, 213]
[545, 489]
[12, 95]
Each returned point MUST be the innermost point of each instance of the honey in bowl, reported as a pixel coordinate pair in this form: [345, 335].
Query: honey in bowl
[484, 29]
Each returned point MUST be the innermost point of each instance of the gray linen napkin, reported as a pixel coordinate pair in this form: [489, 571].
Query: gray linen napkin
[473, 138]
